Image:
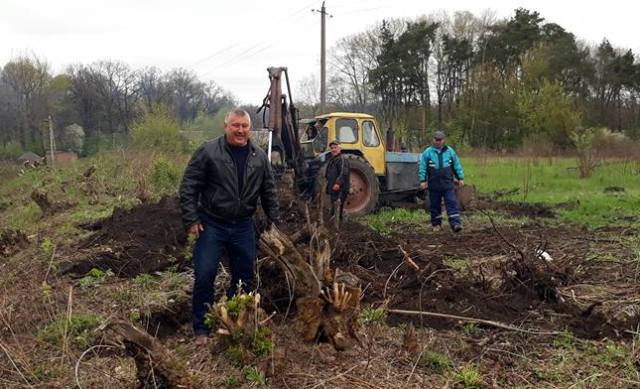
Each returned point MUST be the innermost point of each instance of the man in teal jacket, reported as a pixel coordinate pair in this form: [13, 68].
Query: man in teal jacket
[439, 166]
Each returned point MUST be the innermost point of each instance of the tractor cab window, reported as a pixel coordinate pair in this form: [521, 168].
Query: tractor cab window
[320, 141]
[347, 130]
[369, 134]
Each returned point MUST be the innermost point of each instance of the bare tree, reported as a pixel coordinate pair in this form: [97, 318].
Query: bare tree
[28, 79]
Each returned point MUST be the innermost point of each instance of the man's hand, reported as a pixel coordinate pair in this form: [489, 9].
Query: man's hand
[423, 185]
[336, 188]
[195, 229]
[461, 182]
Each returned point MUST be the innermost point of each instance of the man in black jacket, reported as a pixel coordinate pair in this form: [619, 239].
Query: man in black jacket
[218, 196]
[337, 175]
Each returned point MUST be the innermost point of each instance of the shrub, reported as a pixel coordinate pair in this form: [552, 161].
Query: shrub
[583, 141]
[157, 131]
[165, 176]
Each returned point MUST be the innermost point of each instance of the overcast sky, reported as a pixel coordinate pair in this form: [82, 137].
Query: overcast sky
[233, 42]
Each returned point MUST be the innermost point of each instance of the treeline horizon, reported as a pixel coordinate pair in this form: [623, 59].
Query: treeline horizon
[494, 84]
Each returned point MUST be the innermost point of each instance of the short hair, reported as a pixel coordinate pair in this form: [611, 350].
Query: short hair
[236, 112]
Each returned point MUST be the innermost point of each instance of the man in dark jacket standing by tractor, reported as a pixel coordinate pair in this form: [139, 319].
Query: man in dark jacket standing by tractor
[337, 175]
[218, 196]
[439, 166]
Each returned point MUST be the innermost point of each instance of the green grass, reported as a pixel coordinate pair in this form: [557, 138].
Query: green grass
[550, 181]
[117, 181]
[554, 181]
[383, 220]
[436, 361]
[78, 330]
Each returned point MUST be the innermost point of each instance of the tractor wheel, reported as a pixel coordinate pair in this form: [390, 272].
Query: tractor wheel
[364, 189]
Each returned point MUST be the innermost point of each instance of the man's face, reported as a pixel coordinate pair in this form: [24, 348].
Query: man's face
[438, 143]
[237, 130]
[335, 149]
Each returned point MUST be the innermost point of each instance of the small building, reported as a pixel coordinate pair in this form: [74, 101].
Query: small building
[62, 157]
[30, 159]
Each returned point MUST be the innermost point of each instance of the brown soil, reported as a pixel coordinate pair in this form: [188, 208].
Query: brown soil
[145, 239]
[488, 274]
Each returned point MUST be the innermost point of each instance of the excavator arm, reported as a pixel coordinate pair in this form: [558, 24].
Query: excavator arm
[283, 121]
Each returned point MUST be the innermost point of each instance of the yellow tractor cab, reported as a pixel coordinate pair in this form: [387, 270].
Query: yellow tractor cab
[377, 176]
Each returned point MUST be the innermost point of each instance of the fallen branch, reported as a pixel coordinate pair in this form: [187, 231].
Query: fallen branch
[408, 259]
[472, 320]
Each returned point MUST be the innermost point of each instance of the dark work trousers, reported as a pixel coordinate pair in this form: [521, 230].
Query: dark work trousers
[342, 195]
[450, 203]
[238, 240]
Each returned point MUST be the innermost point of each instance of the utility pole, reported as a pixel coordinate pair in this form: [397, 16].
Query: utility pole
[323, 61]
[52, 142]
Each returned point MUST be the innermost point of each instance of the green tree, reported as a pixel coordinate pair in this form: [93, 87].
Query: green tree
[157, 131]
[548, 112]
[509, 41]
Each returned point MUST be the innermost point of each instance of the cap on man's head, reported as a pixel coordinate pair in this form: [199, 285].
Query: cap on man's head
[439, 135]
[334, 142]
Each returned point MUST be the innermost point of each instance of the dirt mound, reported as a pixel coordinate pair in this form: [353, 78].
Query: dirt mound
[144, 239]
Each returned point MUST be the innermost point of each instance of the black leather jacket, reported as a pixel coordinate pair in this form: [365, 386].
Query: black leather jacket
[210, 185]
[338, 173]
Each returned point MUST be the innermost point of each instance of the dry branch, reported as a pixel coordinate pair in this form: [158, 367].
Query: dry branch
[472, 320]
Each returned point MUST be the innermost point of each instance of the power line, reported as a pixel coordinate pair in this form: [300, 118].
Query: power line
[239, 58]
[279, 22]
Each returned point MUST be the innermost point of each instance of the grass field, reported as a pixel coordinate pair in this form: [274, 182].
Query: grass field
[555, 182]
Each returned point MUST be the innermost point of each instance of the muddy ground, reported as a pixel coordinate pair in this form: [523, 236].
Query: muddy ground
[494, 273]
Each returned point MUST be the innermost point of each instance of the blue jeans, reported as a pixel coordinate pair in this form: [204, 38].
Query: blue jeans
[450, 203]
[238, 240]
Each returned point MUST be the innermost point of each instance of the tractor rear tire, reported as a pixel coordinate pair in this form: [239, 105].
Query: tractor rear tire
[364, 189]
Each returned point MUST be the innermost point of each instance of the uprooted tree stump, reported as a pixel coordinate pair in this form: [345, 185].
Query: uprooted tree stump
[243, 328]
[41, 198]
[156, 366]
[327, 301]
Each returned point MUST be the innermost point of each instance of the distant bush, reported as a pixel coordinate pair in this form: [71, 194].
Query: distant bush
[11, 150]
[72, 139]
[607, 143]
[165, 175]
[158, 131]
[583, 141]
